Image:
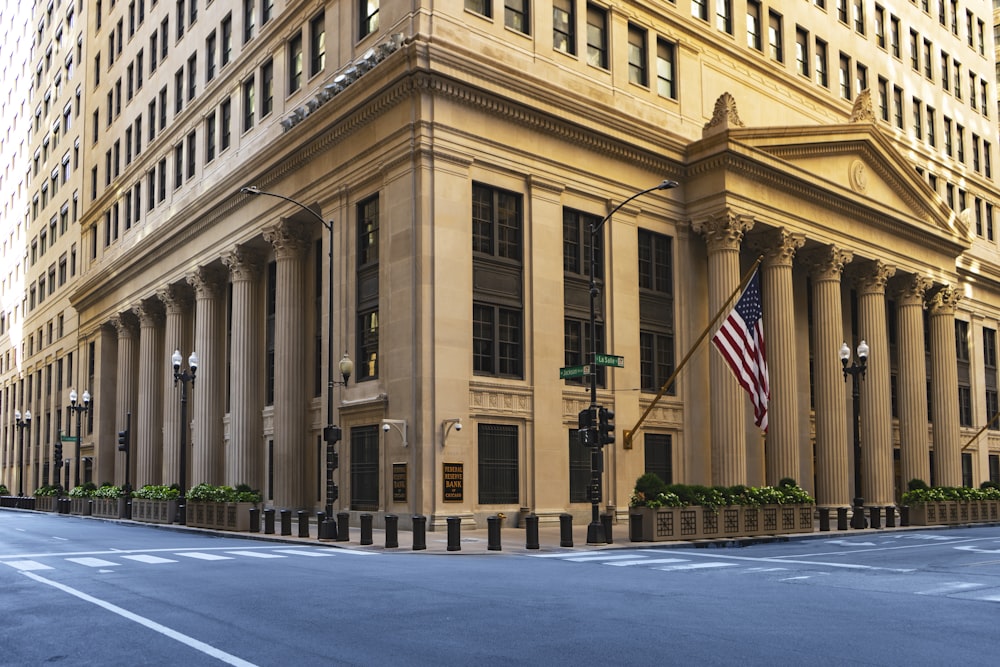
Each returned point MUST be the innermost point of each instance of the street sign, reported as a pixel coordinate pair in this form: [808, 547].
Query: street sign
[567, 372]
[610, 360]
[67, 438]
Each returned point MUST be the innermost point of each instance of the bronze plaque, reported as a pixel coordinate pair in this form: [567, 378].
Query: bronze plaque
[399, 482]
[453, 480]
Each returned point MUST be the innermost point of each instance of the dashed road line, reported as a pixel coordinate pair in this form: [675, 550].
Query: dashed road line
[27, 565]
[693, 566]
[92, 562]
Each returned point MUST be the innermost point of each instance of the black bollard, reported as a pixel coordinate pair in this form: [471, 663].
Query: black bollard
[531, 531]
[328, 528]
[890, 517]
[419, 532]
[635, 528]
[493, 533]
[391, 531]
[454, 533]
[269, 521]
[343, 527]
[824, 519]
[303, 517]
[841, 518]
[606, 524]
[876, 516]
[254, 519]
[904, 516]
[286, 521]
[565, 530]
[366, 529]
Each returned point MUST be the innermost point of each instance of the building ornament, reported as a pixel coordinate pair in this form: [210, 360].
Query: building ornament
[724, 117]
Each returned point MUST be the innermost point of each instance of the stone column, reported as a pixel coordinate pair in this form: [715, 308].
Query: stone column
[944, 388]
[826, 267]
[177, 302]
[914, 460]
[723, 235]
[125, 392]
[244, 456]
[876, 393]
[146, 426]
[290, 484]
[782, 443]
[207, 394]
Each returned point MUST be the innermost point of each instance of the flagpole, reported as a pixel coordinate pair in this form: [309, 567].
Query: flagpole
[980, 431]
[629, 433]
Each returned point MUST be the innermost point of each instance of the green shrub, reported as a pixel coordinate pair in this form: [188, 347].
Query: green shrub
[155, 492]
[48, 490]
[3, 490]
[109, 491]
[916, 484]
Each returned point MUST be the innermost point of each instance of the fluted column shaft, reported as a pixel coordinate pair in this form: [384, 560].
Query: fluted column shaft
[177, 302]
[944, 388]
[290, 486]
[914, 461]
[126, 325]
[723, 236]
[781, 445]
[832, 482]
[208, 391]
[147, 433]
[244, 457]
[876, 393]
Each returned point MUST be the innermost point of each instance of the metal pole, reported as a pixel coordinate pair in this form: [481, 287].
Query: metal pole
[858, 518]
[184, 426]
[329, 380]
[76, 474]
[20, 459]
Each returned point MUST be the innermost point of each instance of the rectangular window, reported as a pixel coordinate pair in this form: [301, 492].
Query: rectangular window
[368, 289]
[822, 74]
[295, 63]
[658, 454]
[499, 470]
[564, 26]
[880, 26]
[597, 36]
[579, 469]
[178, 166]
[656, 307]
[248, 105]
[192, 76]
[801, 51]
[225, 123]
[364, 468]
[369, 16]
[699, 9]
[210, 137]
[211, 46]
[918, 118]
[724, 16]
[226, 47]
[894, 36]
[637, 68]
[914, 51]
[191, 163]
[844, 72]
[248, 19]
[774, 36]
[666, 84]
[859, 16]
[931, 129]
[897, 106]
[266, 88]
[317, 44]
[481, 7]
[753, 25]
[515, 15]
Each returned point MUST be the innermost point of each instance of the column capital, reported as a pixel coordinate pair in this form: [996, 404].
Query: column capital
[244, 263]
[725, 230]
[871, 277]
[944, 301]
[149, 312]
[176, 298]
[778, 246]
[125, 323]
[827, 263]
[288, 237]
[910, 289]
[208, 281]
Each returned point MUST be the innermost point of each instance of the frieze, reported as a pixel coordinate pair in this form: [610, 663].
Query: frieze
[500, 399]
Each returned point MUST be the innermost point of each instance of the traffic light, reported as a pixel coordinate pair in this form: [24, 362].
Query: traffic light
[606, 426]
[58, 453]
[586, 427]
[123, 438]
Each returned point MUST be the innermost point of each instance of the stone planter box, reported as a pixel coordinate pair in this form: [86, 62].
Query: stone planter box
[45, 503]
[110, 508]
[220, 516]
[154, 511]
[80, 506]
[696, 523]
[954, 512]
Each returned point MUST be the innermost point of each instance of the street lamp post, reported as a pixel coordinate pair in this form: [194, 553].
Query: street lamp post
[184, 377]
[79, 410]
[857, 372]
[331, 432]
[595, 530]
[22, 424]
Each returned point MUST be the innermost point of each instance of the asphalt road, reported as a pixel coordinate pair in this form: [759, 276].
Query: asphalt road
[85, 592]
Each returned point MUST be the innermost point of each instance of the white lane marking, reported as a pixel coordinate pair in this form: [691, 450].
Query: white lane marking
[989, 598]
[692, 566]
[92, 562]
[646, 561]
[890, 548]
[202, 556]
[795, 578]
[61, 539]
[978, 550]
[152, 560]
[849, 543]
[117, 552]
[951, 587]
[254, 554]
[207, 649]
[784, 560]
[304, 552]
[27, 565]
[602, 556]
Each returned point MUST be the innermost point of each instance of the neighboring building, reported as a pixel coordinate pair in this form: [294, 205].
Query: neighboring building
[461, 152]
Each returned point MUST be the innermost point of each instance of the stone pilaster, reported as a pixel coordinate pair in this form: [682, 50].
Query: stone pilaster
[177, 303]
[723, 235]
[914, 459]
[876, 392]
[290, 485]
[826, 268]
[146, 426]
[125, 392]
[209, 391]
[244, 457]
[944, 388]
[782, 443]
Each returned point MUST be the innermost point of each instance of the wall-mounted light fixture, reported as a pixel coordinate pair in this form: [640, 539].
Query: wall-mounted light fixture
[399, 425]
[447, 425]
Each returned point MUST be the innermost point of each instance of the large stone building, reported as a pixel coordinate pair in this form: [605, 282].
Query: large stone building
[459, 152]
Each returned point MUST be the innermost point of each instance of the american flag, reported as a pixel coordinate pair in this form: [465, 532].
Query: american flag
[740, 339]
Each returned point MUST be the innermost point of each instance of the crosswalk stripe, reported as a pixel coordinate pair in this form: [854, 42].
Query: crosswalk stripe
[645, 561]
[603, 556]
[692, 566]
[302, 552]
[255, 554]
[201, 555]
[92, 562]
[152, 560]
[26, 565]
[952, 587]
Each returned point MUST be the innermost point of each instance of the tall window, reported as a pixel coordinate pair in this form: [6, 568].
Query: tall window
[576, 291]
[498, 346]
[498, 464]
[724, 16]
[880, 26]
[515, 15]
[802, 51]
[699, 9]
[637, 67]
[658, 454]
[597, 36]
[894, 35]
[364, 468]
[481, 7]
[844, 73]
[368, 289]
[248, 19]
[225, 123]
[990, 372]
[266, 88]
[564, 26]
[210, 137]
[579, 469]
[317, 44]
[753, 25]
[270, 315]
[369, 16]
[295, 63]
[822, 74]
[226, 50]
[211, 46]
[774, 36]
[249, 100]
[656, 310]
[666, 84]
[964, 379]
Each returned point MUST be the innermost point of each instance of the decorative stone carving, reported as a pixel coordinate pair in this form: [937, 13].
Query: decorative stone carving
[863, 112]
[244, 263]
[207, 281]
[944, 301]
[857, 176]
[724, 116]
[827, 263]
[724, 231]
